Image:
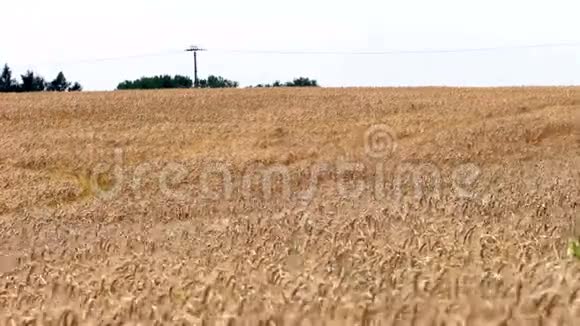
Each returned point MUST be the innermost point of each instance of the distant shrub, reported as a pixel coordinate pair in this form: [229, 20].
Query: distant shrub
[217, 82]
[32, 83]
[297, 82]
[157, 82]
[59, 84]
[7, 83]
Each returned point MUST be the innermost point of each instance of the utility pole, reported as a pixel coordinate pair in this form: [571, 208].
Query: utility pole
[195, 49]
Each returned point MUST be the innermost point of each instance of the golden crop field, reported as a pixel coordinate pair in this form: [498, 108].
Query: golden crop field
[427, 206]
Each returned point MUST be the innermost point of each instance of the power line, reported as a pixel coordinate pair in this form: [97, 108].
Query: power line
[396, 52]
[105, 59]
[316, 52]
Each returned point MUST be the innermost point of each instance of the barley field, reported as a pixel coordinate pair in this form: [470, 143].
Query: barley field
[426, 206]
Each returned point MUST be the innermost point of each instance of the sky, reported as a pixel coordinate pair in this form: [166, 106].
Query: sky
[146, 37]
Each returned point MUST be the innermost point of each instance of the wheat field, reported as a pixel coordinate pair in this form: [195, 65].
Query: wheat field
[426, 206]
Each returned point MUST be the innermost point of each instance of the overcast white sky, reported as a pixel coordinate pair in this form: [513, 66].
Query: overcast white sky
[48, 36]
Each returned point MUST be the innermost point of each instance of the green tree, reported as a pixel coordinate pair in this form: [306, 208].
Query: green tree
[59, 84]
[182, 81]
[127, 84]
[76, 87]
[217, 82]
[302, 82]
[297, 82]
[32, 83]
[7, 84]
[157, 82]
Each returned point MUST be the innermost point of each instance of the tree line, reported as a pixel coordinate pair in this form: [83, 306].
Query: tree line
[31, 82]
[297, 82]
[157, 82]
[178, 81]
